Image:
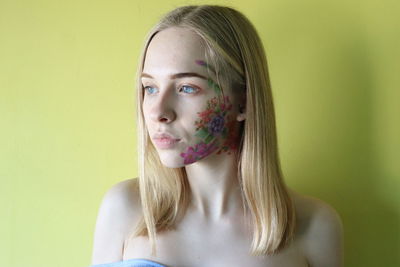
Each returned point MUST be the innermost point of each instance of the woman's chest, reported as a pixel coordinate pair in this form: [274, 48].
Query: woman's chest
[210, 247]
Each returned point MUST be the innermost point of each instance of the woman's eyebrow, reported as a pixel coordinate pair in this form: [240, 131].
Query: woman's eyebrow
[178, 75]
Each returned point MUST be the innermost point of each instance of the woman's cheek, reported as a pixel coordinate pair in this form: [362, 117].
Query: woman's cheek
[214, 129]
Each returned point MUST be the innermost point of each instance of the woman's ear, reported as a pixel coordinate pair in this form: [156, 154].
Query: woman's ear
[242, 113]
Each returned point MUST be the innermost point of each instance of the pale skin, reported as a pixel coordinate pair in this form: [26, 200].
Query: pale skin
[212, 232]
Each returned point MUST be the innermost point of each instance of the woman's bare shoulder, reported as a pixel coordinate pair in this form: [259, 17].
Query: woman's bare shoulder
[126, 190]
[119, 208]
[308, 206]
[319, 230]
[124, 198]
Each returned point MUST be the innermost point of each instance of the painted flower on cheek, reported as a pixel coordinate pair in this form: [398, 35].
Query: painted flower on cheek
[216, 125]
[214, 122]
[205, 117]
[230, 143]
[197, 152]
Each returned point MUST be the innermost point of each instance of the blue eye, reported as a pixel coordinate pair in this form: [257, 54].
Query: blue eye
[188, 89]
[150, 90]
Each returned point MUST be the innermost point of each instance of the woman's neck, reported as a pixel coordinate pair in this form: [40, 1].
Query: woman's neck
[215, 187]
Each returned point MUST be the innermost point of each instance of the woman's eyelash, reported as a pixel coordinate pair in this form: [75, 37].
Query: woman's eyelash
[147, 89]
[193, 91]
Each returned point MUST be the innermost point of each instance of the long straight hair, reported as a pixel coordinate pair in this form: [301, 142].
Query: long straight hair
[236, 52]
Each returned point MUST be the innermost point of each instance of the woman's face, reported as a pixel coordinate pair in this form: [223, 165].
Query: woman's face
[187, 115]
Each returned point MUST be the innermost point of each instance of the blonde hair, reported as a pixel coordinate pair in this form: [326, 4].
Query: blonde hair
[236, 52]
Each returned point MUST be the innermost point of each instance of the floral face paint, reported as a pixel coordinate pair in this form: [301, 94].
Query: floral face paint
[215, 126]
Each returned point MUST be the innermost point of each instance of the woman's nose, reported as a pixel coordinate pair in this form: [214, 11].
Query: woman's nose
[165, 117]
[163, 111]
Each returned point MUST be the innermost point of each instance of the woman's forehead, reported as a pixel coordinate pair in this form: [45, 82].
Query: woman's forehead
[176, 49]
[174, 38]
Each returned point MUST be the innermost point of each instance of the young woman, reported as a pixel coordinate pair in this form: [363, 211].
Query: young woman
[210, 190]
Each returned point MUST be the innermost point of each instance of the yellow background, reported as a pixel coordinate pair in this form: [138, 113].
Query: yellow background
[67, 81]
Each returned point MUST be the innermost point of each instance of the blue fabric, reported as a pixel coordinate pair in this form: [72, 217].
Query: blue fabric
[131, 263]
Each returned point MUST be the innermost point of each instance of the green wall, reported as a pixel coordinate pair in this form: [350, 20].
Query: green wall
[67, 81]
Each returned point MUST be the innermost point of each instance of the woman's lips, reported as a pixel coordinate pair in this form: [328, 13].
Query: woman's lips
[165, 142]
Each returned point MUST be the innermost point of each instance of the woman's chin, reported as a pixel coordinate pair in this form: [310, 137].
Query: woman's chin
[171, 161]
